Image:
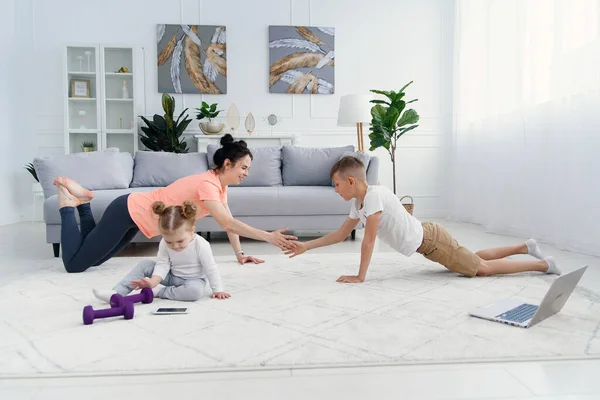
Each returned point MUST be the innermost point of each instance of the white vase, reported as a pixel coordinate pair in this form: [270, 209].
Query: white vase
[36, 187]
[125, 90]
[211, 128]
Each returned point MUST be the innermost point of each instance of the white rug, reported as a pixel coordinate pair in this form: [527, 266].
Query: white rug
[286, 313]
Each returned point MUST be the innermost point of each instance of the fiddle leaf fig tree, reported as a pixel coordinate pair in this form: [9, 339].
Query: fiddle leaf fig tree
[389, 121]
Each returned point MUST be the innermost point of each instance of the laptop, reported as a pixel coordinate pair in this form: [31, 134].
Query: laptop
[515, 312]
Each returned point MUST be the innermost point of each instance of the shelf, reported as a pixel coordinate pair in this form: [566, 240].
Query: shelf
[94, 131]
[119, 131]
[81, 73]
[119, 74]
[121, 100]
[82, 98]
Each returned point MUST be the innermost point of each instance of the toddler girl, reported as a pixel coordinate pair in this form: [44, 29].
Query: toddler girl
[183, 265]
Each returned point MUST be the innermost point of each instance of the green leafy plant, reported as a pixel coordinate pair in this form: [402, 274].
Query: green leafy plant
[88, 144]
[208, 111]
[389, 121]
[163, 133]
[29, 167]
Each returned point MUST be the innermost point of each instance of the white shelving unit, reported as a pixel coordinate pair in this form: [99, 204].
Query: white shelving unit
[96, 107]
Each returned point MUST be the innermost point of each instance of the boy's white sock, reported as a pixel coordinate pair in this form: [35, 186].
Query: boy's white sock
[103, 295]
[552, 268]
[533, 249]
[156, 289]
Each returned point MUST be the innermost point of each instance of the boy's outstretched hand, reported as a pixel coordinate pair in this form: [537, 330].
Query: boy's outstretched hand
[350, 279]
[298, 249]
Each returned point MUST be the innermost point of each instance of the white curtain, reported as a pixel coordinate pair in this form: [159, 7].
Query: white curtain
[527, 119]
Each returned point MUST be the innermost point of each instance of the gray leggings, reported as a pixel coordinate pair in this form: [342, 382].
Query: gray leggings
[176, 288]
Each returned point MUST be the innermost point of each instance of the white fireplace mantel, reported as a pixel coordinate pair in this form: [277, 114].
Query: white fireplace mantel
[254, 141]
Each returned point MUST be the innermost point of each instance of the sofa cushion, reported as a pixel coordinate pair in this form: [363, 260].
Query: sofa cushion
[265, 169]
[158, 168]
[361, 155]
[286, 200]
[95, 170]
[308, 166]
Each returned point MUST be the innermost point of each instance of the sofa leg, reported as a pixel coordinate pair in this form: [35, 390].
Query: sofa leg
[208, 236]
[353, 234]
[56, 248]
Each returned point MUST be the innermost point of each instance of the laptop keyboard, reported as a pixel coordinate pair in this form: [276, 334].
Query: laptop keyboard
[519, 314]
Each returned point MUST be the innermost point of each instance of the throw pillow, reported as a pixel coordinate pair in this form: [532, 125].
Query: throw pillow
[310, 166]
[159, 168]
[265, 169]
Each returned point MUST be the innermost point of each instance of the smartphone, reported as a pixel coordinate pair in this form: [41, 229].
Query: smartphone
[164, 311]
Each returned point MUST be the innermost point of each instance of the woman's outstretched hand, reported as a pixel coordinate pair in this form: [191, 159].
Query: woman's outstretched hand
[284, 242]
[248, 259]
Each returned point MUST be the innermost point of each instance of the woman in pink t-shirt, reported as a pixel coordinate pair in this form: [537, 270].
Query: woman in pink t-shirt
[130, 213]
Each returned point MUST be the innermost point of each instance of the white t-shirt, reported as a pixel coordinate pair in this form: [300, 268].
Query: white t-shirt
[193, 262]
[397, 228]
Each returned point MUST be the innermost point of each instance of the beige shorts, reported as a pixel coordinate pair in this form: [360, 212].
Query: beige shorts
[439, 246]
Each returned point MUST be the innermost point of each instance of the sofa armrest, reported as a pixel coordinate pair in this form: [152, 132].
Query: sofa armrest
[373, 171]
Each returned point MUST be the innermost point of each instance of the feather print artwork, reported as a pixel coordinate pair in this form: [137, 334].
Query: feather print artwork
[191, 59]
[301, 59]
[176, 65]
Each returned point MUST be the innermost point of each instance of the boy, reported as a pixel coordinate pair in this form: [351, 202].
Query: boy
[385, 217]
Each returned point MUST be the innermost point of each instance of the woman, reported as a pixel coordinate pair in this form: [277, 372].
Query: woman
[132, 212]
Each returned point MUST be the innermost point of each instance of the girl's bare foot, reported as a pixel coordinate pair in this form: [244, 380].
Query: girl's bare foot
[66, 199]
[75, 189]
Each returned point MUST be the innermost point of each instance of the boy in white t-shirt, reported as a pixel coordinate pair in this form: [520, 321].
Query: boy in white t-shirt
[386, 218]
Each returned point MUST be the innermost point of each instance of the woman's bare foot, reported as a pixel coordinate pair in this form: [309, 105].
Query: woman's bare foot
[75, 189]
[66, 199]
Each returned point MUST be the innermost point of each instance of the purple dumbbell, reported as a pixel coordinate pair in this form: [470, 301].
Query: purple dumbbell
[146, 296]
[89, 314]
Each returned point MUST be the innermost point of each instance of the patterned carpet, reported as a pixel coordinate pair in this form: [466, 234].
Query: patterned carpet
[286, 313]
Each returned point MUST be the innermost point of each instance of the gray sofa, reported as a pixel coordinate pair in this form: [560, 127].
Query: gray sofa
[287, 186]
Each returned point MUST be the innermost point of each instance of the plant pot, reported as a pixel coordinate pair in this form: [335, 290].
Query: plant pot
[36, 187]
[87, 149]
[212, 128]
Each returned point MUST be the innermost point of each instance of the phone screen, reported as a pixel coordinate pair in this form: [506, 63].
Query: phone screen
[171, 310]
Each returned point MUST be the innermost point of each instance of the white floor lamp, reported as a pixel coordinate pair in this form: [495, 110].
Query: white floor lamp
[355, 110]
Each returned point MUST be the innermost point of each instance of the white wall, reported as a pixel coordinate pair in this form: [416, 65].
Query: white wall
[380, 44]
[15, 113]
[6, 118]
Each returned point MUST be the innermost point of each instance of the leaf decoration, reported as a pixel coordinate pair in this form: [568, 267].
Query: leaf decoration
[193, 65]
[167, 51]
[192, 34]
[160, 32]
[292, 43]
[176, 65]
[327, 31]
[328, 57]
[293, 61]
[308, 35]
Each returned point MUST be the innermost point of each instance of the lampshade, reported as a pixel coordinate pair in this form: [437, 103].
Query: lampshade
[355, 108]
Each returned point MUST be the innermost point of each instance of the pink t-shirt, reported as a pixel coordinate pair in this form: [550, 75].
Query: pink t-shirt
[196, 188]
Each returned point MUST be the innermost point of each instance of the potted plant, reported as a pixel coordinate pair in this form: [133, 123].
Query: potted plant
[209, 112]
[163, 133]
[390, 121]
[36, 187]
[88, 146]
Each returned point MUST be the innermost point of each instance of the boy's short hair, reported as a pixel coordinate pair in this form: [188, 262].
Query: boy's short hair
[349, 166]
